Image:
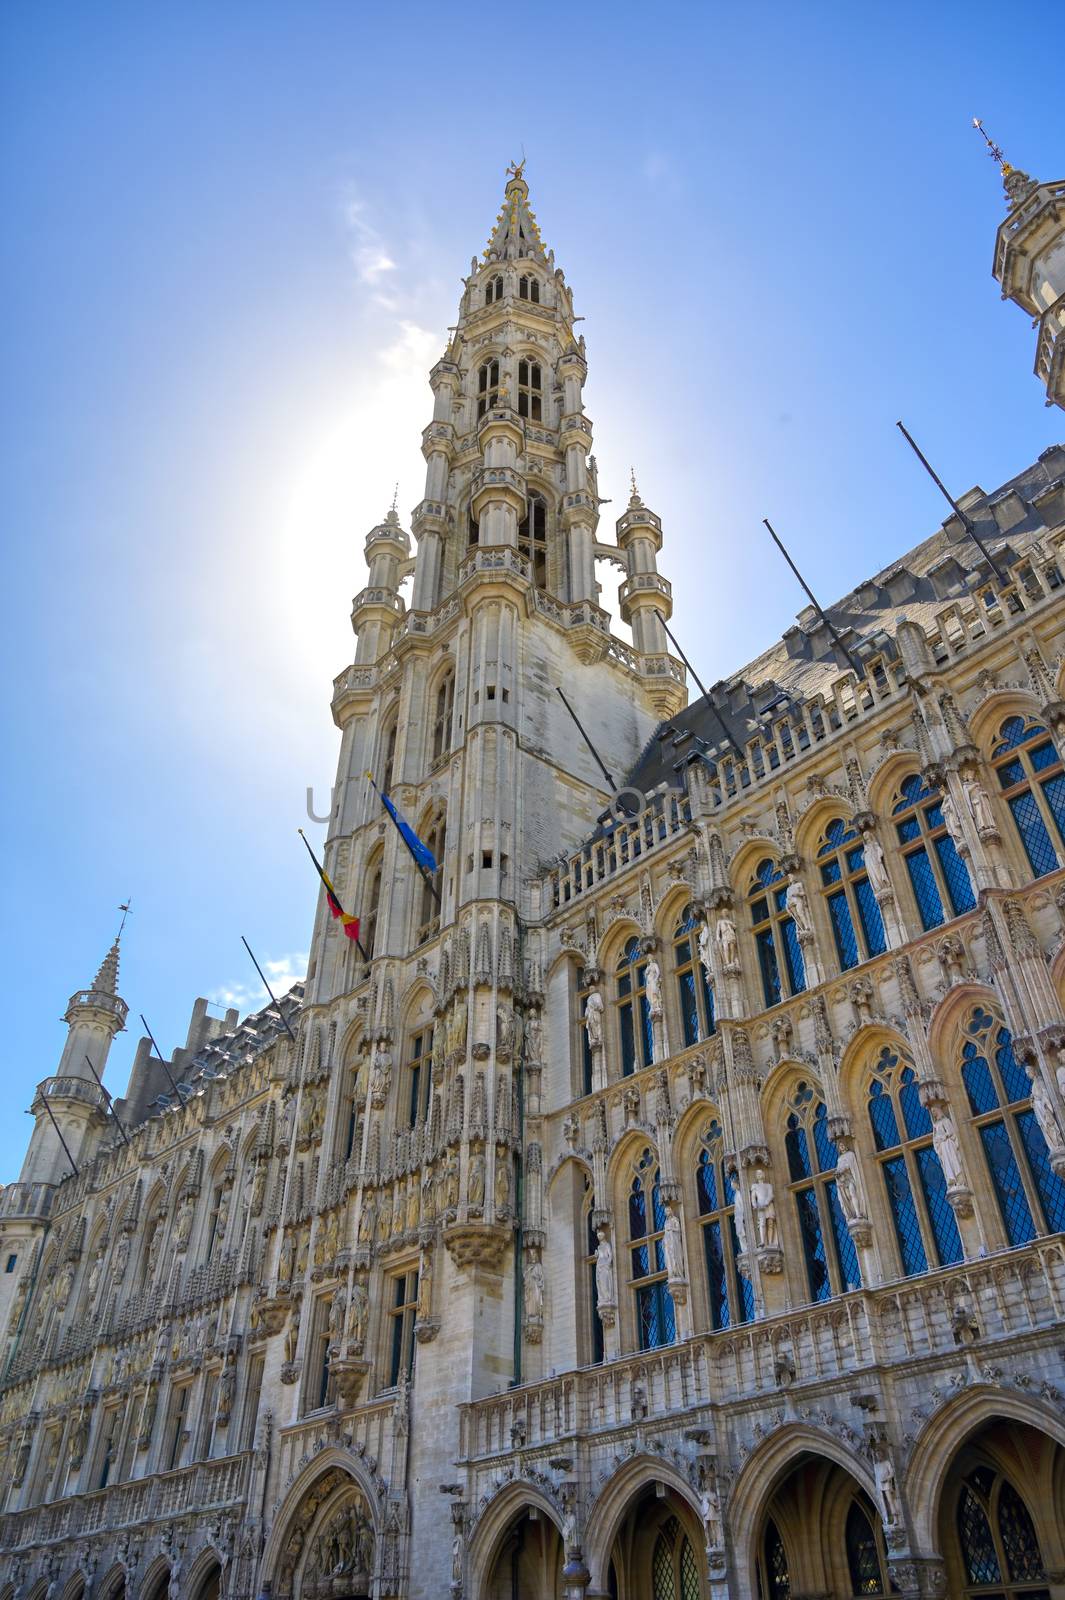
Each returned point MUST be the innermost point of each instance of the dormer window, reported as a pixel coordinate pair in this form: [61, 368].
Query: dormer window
[493, 289]
[529, 289]
[487, 387]
[530, 390]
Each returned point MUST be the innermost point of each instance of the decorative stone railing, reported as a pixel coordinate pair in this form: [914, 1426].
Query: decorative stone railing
[1013, 1295]
[493, 558]
[207, 1486]
[1042, 196]
[27, 1199]
[668, 815]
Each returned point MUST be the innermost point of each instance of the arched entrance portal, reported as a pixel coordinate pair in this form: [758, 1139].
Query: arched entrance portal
[329, 1548]
[820, 1534]
[1002, 1512]
[658, 1550]
[529, 1560]
[209, 1586]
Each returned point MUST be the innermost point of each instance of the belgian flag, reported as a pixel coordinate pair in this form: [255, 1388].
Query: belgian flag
[349, 924]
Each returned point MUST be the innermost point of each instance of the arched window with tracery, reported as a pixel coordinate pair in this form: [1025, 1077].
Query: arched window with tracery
[634, 1011]
[857, 925]
[493, 289]
[674, 1569]
[443, 714]
[387, 749]
[529, 288]
[656, 1318]
[776, 938]
[925, 1226]
[775, 1575]
[419, 1074]
[731, 1295]
[1031, 1197]
[1000, 1555]
[693, 992]
[866, 1553]
[530, 390]
[591, 1247]
[487, 386]
[432, 884]
[368, 919]
[532, 539]
[938, 876]
[828, 1250]
[1032, 781]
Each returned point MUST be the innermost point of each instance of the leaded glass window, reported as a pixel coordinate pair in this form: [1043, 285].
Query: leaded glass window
[674, 1570]
[634, 1012]
[926, 1230]
[775, 1570]
[532, 530]
[865, 1554]
[731, 1294]
[1030, 1195]
[828, 1250]
[775, 935]
[488, 385]
[997, 1540]
[435, 836]
[1032, 780]
[938, 876]
[694, 994]
[857, 925]
[419, 1075]
[530, 390]
[442, 717]
[656, 1319]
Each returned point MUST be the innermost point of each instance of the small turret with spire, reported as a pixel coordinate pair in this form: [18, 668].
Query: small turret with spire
[377, 610]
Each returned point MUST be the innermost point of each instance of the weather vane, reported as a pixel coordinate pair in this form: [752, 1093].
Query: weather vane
[517, 168]
[992, 148]
[632, 481]
[395, 496]
[125, 910]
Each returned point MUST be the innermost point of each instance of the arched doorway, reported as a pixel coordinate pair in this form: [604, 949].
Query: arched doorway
[209, 1585]
[658, 1550]
[327, 1543]
[820, 1534]
[1001, 1514]
[528, 1562]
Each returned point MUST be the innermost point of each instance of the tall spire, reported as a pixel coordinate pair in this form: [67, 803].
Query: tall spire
[516, 232]
[106, 980]
[1016, 183]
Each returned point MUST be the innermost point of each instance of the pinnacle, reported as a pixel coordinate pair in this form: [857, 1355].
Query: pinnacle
[106, 980]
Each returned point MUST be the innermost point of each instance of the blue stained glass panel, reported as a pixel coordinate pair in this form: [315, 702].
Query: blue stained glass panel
[908, 830]
[716, 1276]
[658, 1209]
[1043, 756]
[847, 1256]
[944, 1223]
[637, 1211]
[1051, 1188]
[1014, 1078]
[1010, 773]
[882, 1117]
[843, 928]
[976, 1076]
[827, 1154]
[798, 1150]
[1054, 790]
[1009, 1190]
[641, 1264]
[688, 1010]
[597, 1326]
[767, 960]
[917, 1120]
[793, 956]
[872, 921]
[830, 873]
[925, 890]
[1019, 1542]
[706, 1183]
[904, 1216]
[745, 1288]
[657, 1316]
[813, 1244]
[955, 875]
[974, 1536]
[708, 1002]
[1034, 836]
[628, 1040]
[648, 1031]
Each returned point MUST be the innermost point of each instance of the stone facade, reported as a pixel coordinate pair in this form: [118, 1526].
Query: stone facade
[671, 1206]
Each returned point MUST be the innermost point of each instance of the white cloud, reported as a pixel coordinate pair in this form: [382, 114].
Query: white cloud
[369, 254]
[281, 973]
[413, 351]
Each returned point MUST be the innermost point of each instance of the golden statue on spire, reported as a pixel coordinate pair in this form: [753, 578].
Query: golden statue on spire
[517, 169]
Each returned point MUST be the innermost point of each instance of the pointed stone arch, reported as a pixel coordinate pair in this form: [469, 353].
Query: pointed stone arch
[746, 858]
[815, 819]
[856, 1056]
[617, 1497]
[495, 1519]
[987, 719]
[154, 1583]
[322, 1485]
[944, 1023]
[882, 784]
[74, 1588]
[204, 1570]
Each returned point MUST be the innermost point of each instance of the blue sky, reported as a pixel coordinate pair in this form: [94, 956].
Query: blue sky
[233, 238]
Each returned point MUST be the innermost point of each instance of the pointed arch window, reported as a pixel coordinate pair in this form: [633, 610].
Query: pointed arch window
[435, 836]
[1031, 1197]
[674, 1569]
[866, 1555]
[1032, 780]
[419, 1075]
[368, 922]
[731, 1294]
[776, 1573]
[532, 539]
[694, 994]
[487, 386]
[857, 925]
[388, 750]
[656, 1317]
[925, 1226]
[443, 715]
[997, 1540]
[634, 1011]
[591, 1247]
[529, 288]
[938, 876]
[828, 1250]
[775, 935]
[530, 390]
[493, 289]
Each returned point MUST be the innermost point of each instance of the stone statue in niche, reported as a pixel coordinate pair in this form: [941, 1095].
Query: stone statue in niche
[475, 1188]
[360, 1310]
[1045, 1114]
[727, 944]
[739, 1216]
[593, 1018]
[504, 1032]
[653, 987]
[798, 907]
[764, 1210]
[605, 1289]
[534, 1039]
[706, 947]
[534, 1290]
[849, 1187]
[980, 807]
[876, 864]
[945, 1143]
[674, 1246]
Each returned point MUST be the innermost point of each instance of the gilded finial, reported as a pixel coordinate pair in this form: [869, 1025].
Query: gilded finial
[516, 169]
[992, 148]
[395, 498]
[635, 497]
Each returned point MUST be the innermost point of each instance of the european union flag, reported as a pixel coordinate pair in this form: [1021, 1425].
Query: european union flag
[418, 849]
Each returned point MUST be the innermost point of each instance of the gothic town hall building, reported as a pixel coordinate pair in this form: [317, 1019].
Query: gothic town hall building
[670, 1206]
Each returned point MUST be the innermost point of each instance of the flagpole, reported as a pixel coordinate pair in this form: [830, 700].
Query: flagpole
[164, 1063]
[59, 1132]
[107, 1096]
[429, 884]
[671, 636]
[329, 887]
[268, 989]
[856, 666]
[963, 516]
[580, 729]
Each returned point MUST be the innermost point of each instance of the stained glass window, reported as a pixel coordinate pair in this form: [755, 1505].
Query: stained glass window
[938, 876]
[864, 1561]
[926, 1230]
[656, 1318]
[776, 938]
[828, 1251]
[731, 1294]
[1030, 1195]
[1032, 782]
[634, 1011]
[775, 1564]
[855, 916]
[695, 997]
[997, 1539]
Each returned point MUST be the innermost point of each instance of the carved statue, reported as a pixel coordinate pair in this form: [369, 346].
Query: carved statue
[710, 1508]
[706, 947]
[605, 1290]
[945, 1144]
[674, 1246]
[63, 1285]
[384, 1216]
[534, 1039]
[1042, 1106]
[226, 1386]
[413, 1198]
[79, 1438]
[223, 1214]
[120, 1261]
[288, 1259]
[798, 907]
[303, 1240]
[980, 806]
[949, 812]
[876, 865]
[884, 1473]
[292, 1335]
[425, 1286]
[739, 1216]
[533, 1288]
[475, 1189]
[653, 987]
[727, 944]
[502, 1182]
[93, 1282]
[183, 1222]
[367, 1220]
[593, 1018]
[504, 1032]
[765, 1211]
[148, 1410]
[451, 1183]
[154, 1246]
[849, 1187]
[337, 1307]
[381, 1075]
[458, 1549]
[360, 1309]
